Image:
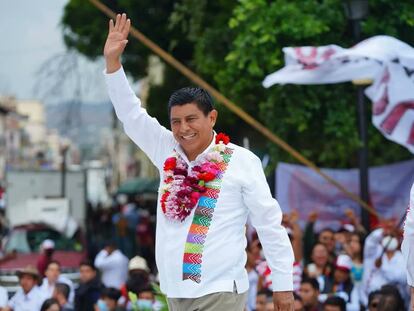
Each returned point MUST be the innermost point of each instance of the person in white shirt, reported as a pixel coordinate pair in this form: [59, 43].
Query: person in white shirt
[113, 265]
[53, 276]
[407, 246]
[208, 189]
[4, 298]
[383, 264]
[28, 297]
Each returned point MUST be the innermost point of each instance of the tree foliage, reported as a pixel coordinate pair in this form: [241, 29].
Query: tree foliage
[235, 44]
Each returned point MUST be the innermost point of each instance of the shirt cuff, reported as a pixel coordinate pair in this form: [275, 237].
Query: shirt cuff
[120, 71]
[282, 282]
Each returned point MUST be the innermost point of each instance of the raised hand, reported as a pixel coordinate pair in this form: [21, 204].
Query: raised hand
[116, 42]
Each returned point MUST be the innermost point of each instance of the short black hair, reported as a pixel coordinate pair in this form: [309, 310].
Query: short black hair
[390, 299]
[327, 229]
[296, 296]
[335, 301]
[372, 295]
[312, 282]
[54, 262]
[88, 263]
[188, 95]
[111, 293]
[63, 289]
[48, 303]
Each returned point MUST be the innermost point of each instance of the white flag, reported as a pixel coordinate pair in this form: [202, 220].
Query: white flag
[388, 62]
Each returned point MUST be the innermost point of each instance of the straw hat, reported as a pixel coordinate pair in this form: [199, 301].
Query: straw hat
[138, 263]
[28, 270]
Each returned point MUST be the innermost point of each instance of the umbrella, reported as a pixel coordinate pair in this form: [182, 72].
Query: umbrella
[139, 185]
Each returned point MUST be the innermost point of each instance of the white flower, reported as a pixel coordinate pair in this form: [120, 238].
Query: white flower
[214, 156]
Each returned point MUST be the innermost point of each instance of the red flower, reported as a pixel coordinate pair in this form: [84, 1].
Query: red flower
[163, 200]
[170, 164]
[221, 137]
[207, 176]
[168, 180]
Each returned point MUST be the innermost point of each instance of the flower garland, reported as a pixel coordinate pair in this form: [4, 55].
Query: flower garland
[183, 187]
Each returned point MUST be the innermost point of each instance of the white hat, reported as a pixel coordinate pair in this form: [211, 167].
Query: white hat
[48, 244]
[138, 263]
[343, 262]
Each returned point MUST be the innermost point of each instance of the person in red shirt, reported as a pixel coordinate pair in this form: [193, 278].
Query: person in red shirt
[47, 249]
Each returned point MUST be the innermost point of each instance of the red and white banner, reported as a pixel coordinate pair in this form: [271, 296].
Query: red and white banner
[388, 62]
[300, 188]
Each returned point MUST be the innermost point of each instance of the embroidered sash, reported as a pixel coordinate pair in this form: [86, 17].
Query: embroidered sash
[203, 215]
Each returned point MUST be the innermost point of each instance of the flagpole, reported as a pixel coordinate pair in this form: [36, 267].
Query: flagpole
[356, 10]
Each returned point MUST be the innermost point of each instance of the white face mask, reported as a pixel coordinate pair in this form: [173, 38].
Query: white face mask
[389, 243]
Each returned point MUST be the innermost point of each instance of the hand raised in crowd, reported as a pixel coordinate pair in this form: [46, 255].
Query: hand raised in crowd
[116, 42]
[313, 216]
[388, 226]
[351, 215]
[294, 217]
[378, 262]
[283, 301]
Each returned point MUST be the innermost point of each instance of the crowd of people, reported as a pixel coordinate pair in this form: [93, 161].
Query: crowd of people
[111, 282]
[345, 269]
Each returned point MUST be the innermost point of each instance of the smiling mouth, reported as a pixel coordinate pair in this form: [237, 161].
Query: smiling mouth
[187, 137]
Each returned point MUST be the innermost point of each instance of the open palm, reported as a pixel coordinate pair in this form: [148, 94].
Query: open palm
[117, 37]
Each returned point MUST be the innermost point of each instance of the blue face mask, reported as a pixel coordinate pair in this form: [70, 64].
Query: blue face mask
[102, 305]
[144, 304]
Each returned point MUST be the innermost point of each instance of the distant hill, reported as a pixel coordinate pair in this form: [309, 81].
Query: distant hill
[83, 123]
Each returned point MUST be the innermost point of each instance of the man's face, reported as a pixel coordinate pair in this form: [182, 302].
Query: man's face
[308, 294]
[111, 304]
[147, 295]
[191, 128]
[327, 238]
[298, 305]
[86, 273]
[270, 306]
[320, 255]
[27, 282]
[373, 304]
[52, 272]
[261, 302]
[340, 276]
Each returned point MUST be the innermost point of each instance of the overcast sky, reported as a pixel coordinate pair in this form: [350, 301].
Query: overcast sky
[30, 32]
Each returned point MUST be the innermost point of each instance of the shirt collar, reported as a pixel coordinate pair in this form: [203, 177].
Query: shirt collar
[184, 156]
[32, 294]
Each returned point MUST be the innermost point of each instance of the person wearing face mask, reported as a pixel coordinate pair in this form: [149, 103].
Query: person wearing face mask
[407, 246]
[109, 300]
[146, 299]
[383, 263]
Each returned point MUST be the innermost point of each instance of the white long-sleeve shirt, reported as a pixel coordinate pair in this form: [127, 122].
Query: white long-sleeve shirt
[407, 246]
[244, 191]
[391, 271]
[47, 289]
[32, 301]
[113, 267]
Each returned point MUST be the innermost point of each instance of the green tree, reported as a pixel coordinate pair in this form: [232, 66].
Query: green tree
[320, 121]
[235, 44]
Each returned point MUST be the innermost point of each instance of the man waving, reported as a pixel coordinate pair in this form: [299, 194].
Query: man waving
[208, 188]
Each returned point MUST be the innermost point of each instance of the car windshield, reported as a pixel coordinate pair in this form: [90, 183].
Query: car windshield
[29, 240]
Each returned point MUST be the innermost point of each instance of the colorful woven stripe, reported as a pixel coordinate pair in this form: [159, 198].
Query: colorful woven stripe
[203, 215]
